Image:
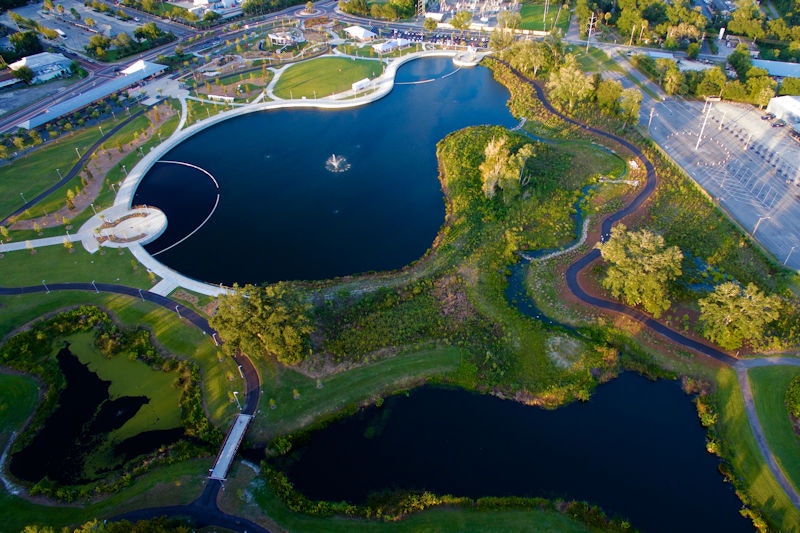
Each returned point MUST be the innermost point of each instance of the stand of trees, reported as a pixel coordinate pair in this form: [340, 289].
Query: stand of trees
[391, 10]
[260, 321]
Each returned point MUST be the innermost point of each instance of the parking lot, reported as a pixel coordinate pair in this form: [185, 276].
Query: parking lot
[749, 167]
[76, 32]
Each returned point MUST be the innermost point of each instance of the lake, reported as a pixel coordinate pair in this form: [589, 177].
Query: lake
[282, 215]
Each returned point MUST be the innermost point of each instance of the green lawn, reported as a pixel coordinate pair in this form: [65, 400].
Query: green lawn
[56, 264]
[769, 389]
[35, 172]
[595, 60]
[18, 397]
[533, 16]
[326, 76]
[741, 451]
[444, 519]
[340, 390]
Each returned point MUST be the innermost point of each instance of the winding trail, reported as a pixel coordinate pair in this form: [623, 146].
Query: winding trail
[579, 265]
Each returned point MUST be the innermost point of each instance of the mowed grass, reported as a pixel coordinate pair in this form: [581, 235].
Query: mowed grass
[56, 264]
[18, 397]
[176, 484]
[442, 519]
[769, 390]
[325, 75]
[749, 467]
[533, 16]
[33, 173]
[365, 383]
[130, 377]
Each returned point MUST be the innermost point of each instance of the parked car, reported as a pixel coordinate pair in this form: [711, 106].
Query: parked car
[779, 123]
[767, 116]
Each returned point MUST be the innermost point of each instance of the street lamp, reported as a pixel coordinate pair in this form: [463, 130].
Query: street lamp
[93, 209]
[23, 198]
[60, 177]
[790, 254]
[236, 395]
[141, 295]
[214, 337]
[178, 311]
[78, 152]
[760, 220]
[125, 170]
[45, 287]
[101, 130]
[95, 287]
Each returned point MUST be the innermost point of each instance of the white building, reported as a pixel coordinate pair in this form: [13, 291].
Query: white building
[786, 108]
[45, 66]
[359, 33]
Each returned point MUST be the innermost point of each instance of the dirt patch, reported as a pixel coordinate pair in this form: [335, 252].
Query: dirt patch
[322, 365]
[449, 291]
[563, 351]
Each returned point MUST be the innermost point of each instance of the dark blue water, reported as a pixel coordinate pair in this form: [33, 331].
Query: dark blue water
[636, 449]
[283, 216]
[84, 417]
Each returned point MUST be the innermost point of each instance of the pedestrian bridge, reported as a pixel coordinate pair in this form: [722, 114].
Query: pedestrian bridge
[230, 447]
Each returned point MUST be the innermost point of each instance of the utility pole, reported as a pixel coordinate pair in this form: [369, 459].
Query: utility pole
[589, 30]
[544, 17]
[702, 129]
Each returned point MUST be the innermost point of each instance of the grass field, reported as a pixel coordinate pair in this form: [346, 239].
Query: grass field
[326, 76]
[167, 485]
[533, 16]
[352, 387]
[444, 519]
[18, 396]
[56, 264]
[769, 389]
[748, 464]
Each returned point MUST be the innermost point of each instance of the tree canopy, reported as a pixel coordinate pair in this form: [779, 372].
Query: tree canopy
[731, 314]
[259, 321]
[569, 85]
[501, 169]
[640, 266]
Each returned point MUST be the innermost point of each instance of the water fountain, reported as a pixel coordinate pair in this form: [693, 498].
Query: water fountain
[336, 163]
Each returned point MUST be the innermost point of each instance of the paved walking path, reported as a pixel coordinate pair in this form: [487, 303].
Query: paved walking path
[582, 263]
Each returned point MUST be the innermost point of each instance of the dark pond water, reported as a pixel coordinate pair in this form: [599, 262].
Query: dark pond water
[282, 215]
[84, 417]
[636, 449]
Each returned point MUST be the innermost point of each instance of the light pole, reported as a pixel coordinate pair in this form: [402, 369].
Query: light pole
[125, 170]
[45, 287]
[93, 209]
[178, 311]
[760, 220]
[141, 295]
[236, 395]
[23, 198]
[101, 130]
[113, 188]
[60, 177]
[95, 287]
[790, 254]
[77, 152]
[214, 337]
[141, 151]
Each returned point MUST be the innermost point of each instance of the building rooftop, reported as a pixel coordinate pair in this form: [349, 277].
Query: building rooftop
[38, 61]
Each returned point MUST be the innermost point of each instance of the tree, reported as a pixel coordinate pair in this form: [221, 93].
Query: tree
[629, 104]
[501, 169]
[568, 85]
[25, 43]
[712, 83]
[259, 321]
[24, 74]
[529, 57]
[461, 20]
[674, 81]
[693, 50]
[89, 22]
[731, 315]
[430, 24]
[640, 266]
[607, 94]
[760, 87]
[790, 86]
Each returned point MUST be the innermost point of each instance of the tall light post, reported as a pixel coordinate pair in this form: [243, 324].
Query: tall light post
[141, 295]
[125, 170]
[60, 177]
[236, 395]
[78, 152]
[95, 287]
[760, 220]
[789, 255]
[23, 198]
[45, 287]
[101, 130]
[93, 209]
[178, 311]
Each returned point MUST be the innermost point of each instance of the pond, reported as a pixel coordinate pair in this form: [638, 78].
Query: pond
[636, 449]
[83, 419]
[283, 214]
